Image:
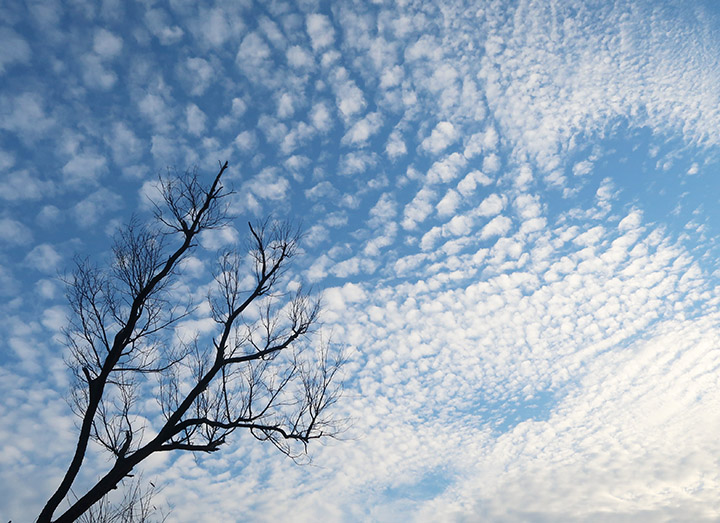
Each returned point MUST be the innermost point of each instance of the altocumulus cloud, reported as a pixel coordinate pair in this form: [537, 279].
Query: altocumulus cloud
[512, 210]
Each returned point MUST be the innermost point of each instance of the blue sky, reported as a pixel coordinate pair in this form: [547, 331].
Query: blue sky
[511, 209]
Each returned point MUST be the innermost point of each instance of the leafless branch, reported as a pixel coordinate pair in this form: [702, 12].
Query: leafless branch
[257, 372]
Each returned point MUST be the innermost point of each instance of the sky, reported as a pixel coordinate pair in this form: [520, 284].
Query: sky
[511, 210]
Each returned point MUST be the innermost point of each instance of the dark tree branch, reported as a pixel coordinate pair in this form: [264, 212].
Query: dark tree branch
[249, 376]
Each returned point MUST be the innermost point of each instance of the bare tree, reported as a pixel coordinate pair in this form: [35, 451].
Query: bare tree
[252, 374]
[134, 506]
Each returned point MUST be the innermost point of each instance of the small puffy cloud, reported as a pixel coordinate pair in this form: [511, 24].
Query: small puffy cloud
[395, 146]
[363, 129]
[523, 176]
[89, 211]
[215, 239]
[391, 76]
[346, 268]
[491, 163]
[14, 49]
[44, 258]
[297, 163]
[252, 54]
[320, 117]
[430, 238]
[460, 226]
[322, 191]
[693, 169]
[582, 168]
[319, 269]
[126, 146]
[14, 232]
[55, 318]
[156, 21]
[448, 204]
[426, 47]
[418, 209]
[320, 31]
[238, 107]
[215, 26]
[496, 227]
[631, 222]
[269, 185]
[528, 206]
[154, 108]
[272, 32]
[49, 216]
[383, 211]
[285, 106]
[95, 74]
[440, 138]
[491, 205]
[446, 169]
[349, 97]
[7, 160]
[106, 44]
[25, 115]
[246, 141]
[299, 58]
[195, 119]
[467, 185]
[21, 185]
[199, 74]
[356, 162]
[83, 169]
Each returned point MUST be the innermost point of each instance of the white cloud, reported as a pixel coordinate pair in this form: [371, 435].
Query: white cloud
[246, 141]
[349, 97]
[200, 73]
[441, 137]
[491, 163]
[496, 227]
[418, 209]
[84, 169]
[320, 117]
[269, 185]
[363, 129]
[95, 74]
[25, 115]
[14, 49]
[446, 169]
[21, 185]
[215, 239]
[156, 21]
[582, 168]
[195, 119]
[449, 203]
[631, 222]
[154, 108]
[467, 185]
[88, 211]
[285, 106]
[391, 77]
[299, 58]
[252, 54]
[126, 146]
[106, 44]
[44, 258]
[492, 205]
[395, 146]
[320, 31]
[216, 25]
[14, 232]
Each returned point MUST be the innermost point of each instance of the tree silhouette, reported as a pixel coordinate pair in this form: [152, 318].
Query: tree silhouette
[252, 374]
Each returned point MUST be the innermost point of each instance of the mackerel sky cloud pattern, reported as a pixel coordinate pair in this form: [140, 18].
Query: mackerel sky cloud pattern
[511, 209]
